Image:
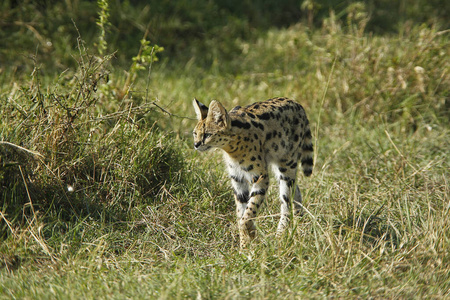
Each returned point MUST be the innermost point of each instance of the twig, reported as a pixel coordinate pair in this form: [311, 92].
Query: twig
[169, 113]
[7, 223]
[28, 192]
[399, 152]
[149, 71]
[320, 108]
[21, 148]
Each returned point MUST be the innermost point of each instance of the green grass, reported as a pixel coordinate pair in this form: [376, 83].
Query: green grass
[151, 218]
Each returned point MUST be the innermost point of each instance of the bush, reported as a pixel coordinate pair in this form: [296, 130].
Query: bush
[73, 149]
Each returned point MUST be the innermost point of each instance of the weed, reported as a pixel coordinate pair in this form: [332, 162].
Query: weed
[103, 23]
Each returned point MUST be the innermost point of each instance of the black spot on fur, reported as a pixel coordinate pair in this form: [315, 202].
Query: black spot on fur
[307, 161]
[243, 198]
[291, 183]
[239, 124]
[258, 125]
[261, 192]
[308, 133]
[307, 147]
[237, 179]
[264, 116]
[249, 168]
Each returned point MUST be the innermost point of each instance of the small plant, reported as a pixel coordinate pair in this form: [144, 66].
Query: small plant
[103, 23]
[357, 18]
[145, 57]
[310, 7]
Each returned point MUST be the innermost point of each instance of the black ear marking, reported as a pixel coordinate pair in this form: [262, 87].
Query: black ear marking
[201, 110]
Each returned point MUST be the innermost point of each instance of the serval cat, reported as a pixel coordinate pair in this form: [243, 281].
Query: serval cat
[274, 132]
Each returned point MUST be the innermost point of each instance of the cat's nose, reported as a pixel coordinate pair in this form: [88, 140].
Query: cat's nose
[196, 145]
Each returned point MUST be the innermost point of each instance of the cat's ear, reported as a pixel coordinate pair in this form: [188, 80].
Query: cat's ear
[219, 114]
[201, 110]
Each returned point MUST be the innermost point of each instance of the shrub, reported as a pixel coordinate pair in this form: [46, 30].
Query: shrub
[70, 147]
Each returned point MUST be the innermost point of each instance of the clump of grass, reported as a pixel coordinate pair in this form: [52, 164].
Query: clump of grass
[70, 151]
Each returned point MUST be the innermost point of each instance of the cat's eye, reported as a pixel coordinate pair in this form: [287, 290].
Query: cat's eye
[206, 135]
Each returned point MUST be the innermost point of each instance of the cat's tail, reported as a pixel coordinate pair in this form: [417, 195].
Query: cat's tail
[307, 151]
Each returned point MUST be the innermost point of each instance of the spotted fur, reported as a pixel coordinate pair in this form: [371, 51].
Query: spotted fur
[271, 133]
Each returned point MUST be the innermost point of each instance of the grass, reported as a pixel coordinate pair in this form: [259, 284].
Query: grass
[149, 217]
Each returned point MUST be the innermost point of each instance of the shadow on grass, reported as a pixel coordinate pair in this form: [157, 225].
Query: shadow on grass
[369, 227]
